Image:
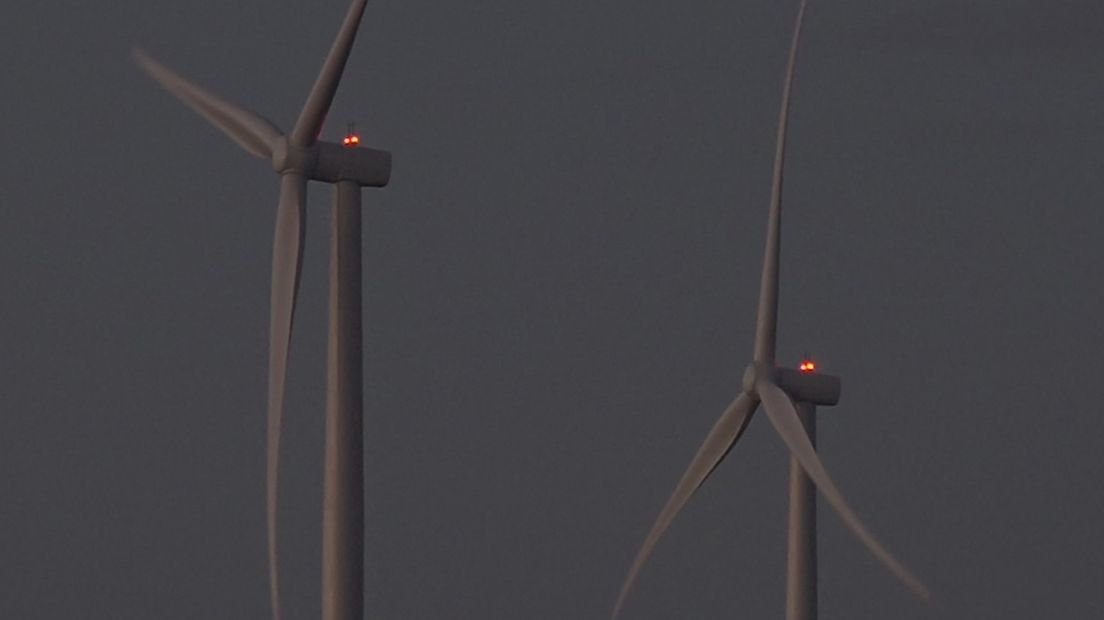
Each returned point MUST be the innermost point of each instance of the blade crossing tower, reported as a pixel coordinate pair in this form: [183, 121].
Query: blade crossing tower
[299, 157]
[788, 398]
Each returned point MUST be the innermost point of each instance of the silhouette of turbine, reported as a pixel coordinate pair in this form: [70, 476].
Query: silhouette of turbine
[777, 389]
[300, 157]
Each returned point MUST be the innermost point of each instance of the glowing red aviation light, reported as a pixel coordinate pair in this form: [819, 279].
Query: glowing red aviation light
[807, 366]
[351, 137]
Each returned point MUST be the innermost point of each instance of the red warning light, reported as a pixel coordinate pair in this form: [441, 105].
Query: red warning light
[351, 137]
[807, 366]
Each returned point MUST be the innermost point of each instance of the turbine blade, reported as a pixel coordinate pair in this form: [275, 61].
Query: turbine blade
[251, 131]
[767, 321]
[783, 416]
[287, 260]
[712, 451]
[321, 96]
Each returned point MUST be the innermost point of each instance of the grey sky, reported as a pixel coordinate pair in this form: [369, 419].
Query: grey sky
[560, 294]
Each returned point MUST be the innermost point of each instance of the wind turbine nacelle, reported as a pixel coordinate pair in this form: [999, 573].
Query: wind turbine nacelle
[809, 387]
[330, 163]
[365, 166]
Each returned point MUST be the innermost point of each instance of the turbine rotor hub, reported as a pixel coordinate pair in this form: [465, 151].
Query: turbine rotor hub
[753, 373]
[287, 158]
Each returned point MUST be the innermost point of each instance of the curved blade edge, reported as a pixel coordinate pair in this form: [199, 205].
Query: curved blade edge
[322, 93]
[287, 260]
[766, 322]
[249, 130]
[782, 415]
[713, 450]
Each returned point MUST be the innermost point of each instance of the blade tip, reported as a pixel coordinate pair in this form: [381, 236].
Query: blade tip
[617, 609]
[145, 62]
[921, 592]
[139, 55]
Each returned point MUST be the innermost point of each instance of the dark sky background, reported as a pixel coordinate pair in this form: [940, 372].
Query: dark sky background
[560, 289]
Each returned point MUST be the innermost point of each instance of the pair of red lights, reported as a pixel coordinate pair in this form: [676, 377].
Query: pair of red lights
[352, 139]
[807, 366]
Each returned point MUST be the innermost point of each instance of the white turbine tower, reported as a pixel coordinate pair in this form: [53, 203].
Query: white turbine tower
[778, 389]
[300, 157]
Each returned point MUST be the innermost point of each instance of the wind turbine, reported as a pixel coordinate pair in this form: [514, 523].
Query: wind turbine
[778, 389]
[300, 157]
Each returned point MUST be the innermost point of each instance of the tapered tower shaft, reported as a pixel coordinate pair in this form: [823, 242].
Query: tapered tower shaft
[343, 510]
[801, 565]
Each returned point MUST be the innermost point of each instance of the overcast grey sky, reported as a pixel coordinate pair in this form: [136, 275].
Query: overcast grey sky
[560, 296]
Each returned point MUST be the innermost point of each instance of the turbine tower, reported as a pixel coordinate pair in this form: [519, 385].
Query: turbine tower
[789, 398]
[299, 157]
